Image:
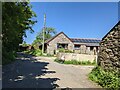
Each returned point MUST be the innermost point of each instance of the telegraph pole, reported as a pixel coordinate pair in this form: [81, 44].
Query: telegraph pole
[44, 33]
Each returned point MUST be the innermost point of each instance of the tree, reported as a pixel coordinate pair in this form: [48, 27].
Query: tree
[49, 32]
[17, 19]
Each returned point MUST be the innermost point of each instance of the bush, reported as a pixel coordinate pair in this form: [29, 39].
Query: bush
[61, 50]
[57, 60]
[37, 52]
[104, 78]
[68, 51]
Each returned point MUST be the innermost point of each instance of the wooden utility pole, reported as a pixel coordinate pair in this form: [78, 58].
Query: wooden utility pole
[44, 33]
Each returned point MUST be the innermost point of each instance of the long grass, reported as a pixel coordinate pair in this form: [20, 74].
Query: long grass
[75, 62]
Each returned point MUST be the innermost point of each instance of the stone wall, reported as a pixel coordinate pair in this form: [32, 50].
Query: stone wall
[86, 50]
[109, 52]
[78, 57]
[61, 38]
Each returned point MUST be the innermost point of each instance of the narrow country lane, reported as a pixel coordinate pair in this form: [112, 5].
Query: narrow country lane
[43, 72]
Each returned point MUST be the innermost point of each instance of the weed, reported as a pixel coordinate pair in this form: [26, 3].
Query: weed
[106, 79]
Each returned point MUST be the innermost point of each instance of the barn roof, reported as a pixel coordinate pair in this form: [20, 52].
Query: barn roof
[88, 42]
[81, 40]
[47, 41]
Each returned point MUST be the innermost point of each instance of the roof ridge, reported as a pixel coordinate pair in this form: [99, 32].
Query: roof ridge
[56, 36]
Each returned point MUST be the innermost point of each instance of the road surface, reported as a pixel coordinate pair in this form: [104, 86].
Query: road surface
[42, 72]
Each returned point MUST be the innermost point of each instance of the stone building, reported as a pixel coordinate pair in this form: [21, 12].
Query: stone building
[25, 47]
[61, 40]
[109, 52]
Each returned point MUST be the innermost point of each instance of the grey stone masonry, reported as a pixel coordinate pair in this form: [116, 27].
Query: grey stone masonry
[109, 52]
[75, 45]
[61, 39]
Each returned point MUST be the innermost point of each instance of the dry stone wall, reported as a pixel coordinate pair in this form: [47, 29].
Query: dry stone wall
[109, 53]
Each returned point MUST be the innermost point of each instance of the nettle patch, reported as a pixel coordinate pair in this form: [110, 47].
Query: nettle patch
[106, 79]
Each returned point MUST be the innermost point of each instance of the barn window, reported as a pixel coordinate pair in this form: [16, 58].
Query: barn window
[61, 45]
[91, 48]
[76, 46]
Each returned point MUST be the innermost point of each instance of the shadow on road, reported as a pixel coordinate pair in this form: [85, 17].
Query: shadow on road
[27, 72]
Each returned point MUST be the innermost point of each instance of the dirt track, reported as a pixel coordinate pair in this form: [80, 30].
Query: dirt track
[43, 72]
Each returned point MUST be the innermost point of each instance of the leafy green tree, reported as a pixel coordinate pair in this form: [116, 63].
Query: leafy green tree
[17, 18]
[48, 33]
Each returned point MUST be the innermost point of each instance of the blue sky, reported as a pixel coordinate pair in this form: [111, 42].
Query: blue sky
[76, 20]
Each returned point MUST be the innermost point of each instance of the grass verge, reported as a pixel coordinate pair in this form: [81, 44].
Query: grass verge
[75, 62]
[37, 52]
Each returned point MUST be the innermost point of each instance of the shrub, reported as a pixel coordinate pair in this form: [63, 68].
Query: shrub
[68, 51]
[57, 60]
[61, 50]
[37, 52]
[104, 78]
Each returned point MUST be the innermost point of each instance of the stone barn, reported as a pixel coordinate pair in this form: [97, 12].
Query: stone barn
[76, 45]
[58, 41]
[109, 52]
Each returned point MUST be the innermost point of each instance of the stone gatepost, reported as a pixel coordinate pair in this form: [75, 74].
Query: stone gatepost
[88, 50]
[94, 51]
[83, 49]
